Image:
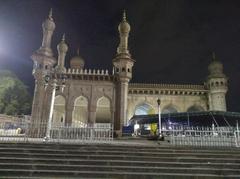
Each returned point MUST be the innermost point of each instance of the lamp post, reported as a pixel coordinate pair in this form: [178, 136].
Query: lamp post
[237, 126]
[49, 124]
[159, 118]
[55, 87]
[213, 129]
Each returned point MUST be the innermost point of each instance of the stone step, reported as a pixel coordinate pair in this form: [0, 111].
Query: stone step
[53, 149]
[114, 161]
[126, 163]
[119, 157]
[110, 174]
[117, 147]
[162, 169]
[88, 154]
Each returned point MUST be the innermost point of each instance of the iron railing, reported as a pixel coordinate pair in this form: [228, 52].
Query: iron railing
[30, 132]
[25, 131]
[203, 136]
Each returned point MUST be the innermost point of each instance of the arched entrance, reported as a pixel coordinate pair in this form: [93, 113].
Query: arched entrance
[169, 109]
[103, 113]
[59, 111]
[80, 112]
[144, 109]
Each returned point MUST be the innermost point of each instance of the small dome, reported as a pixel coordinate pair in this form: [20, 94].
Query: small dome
[124, 26]
[62, 46]
[49, 24]
[77, 62]
[215, 68]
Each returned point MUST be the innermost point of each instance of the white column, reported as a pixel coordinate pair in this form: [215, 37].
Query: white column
[123, 103]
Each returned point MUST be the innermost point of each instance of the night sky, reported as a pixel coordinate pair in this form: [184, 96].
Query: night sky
[171, 41]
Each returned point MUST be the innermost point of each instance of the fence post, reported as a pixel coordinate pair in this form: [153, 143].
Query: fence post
[111, 128]
[91, 133]
[236, 135]
[59, 137]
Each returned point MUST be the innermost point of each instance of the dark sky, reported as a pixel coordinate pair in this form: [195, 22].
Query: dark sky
[171, 41]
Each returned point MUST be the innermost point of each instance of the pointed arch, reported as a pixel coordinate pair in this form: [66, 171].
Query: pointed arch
[59, 111]
[169, 109]
[103, 112]
[80, 111]
[144, 109]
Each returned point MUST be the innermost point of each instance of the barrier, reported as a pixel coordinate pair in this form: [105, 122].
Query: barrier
[203, 136]
[25, 132]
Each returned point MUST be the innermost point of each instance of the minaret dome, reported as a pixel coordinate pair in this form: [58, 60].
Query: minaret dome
[124, 26]
[62, 46]
[77, 62]
[215, 68]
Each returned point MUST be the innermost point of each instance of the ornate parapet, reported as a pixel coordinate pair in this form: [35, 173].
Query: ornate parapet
[87, 74]
[166, 89]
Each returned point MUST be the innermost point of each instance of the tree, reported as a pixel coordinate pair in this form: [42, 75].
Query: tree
[14, 96]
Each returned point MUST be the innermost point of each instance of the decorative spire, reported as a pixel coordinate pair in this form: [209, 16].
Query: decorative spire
[77, 62]
[213, 56]
[62, 46]
[50, 14]
[63, 37]
[48, 27]
[124, 16]
[124, 29]
[215, 67]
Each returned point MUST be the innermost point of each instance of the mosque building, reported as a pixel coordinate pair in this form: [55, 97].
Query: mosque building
[88, 96]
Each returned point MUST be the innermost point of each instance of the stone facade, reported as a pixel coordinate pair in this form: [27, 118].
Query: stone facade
[87, 96]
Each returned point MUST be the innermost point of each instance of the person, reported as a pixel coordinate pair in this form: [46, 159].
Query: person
[136, 128]
[18, 130]
[153, 129]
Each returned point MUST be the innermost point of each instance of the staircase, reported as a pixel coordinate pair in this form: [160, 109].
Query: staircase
[116, 160]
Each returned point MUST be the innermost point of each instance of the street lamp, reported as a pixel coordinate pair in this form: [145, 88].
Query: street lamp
[159, 118]
[55, 86]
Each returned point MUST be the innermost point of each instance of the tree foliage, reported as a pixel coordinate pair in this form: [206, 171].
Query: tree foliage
[14, 96]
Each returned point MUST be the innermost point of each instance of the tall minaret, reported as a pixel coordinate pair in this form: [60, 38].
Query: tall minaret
[123, 64]
[62, 50]
[43, 63]
[48, 27]
[217, 84]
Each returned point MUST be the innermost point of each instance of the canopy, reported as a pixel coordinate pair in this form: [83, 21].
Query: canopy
[205, 118]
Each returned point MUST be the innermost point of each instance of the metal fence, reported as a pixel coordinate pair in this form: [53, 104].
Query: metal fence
[203, 136]
[36, 132]
[25, 131]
